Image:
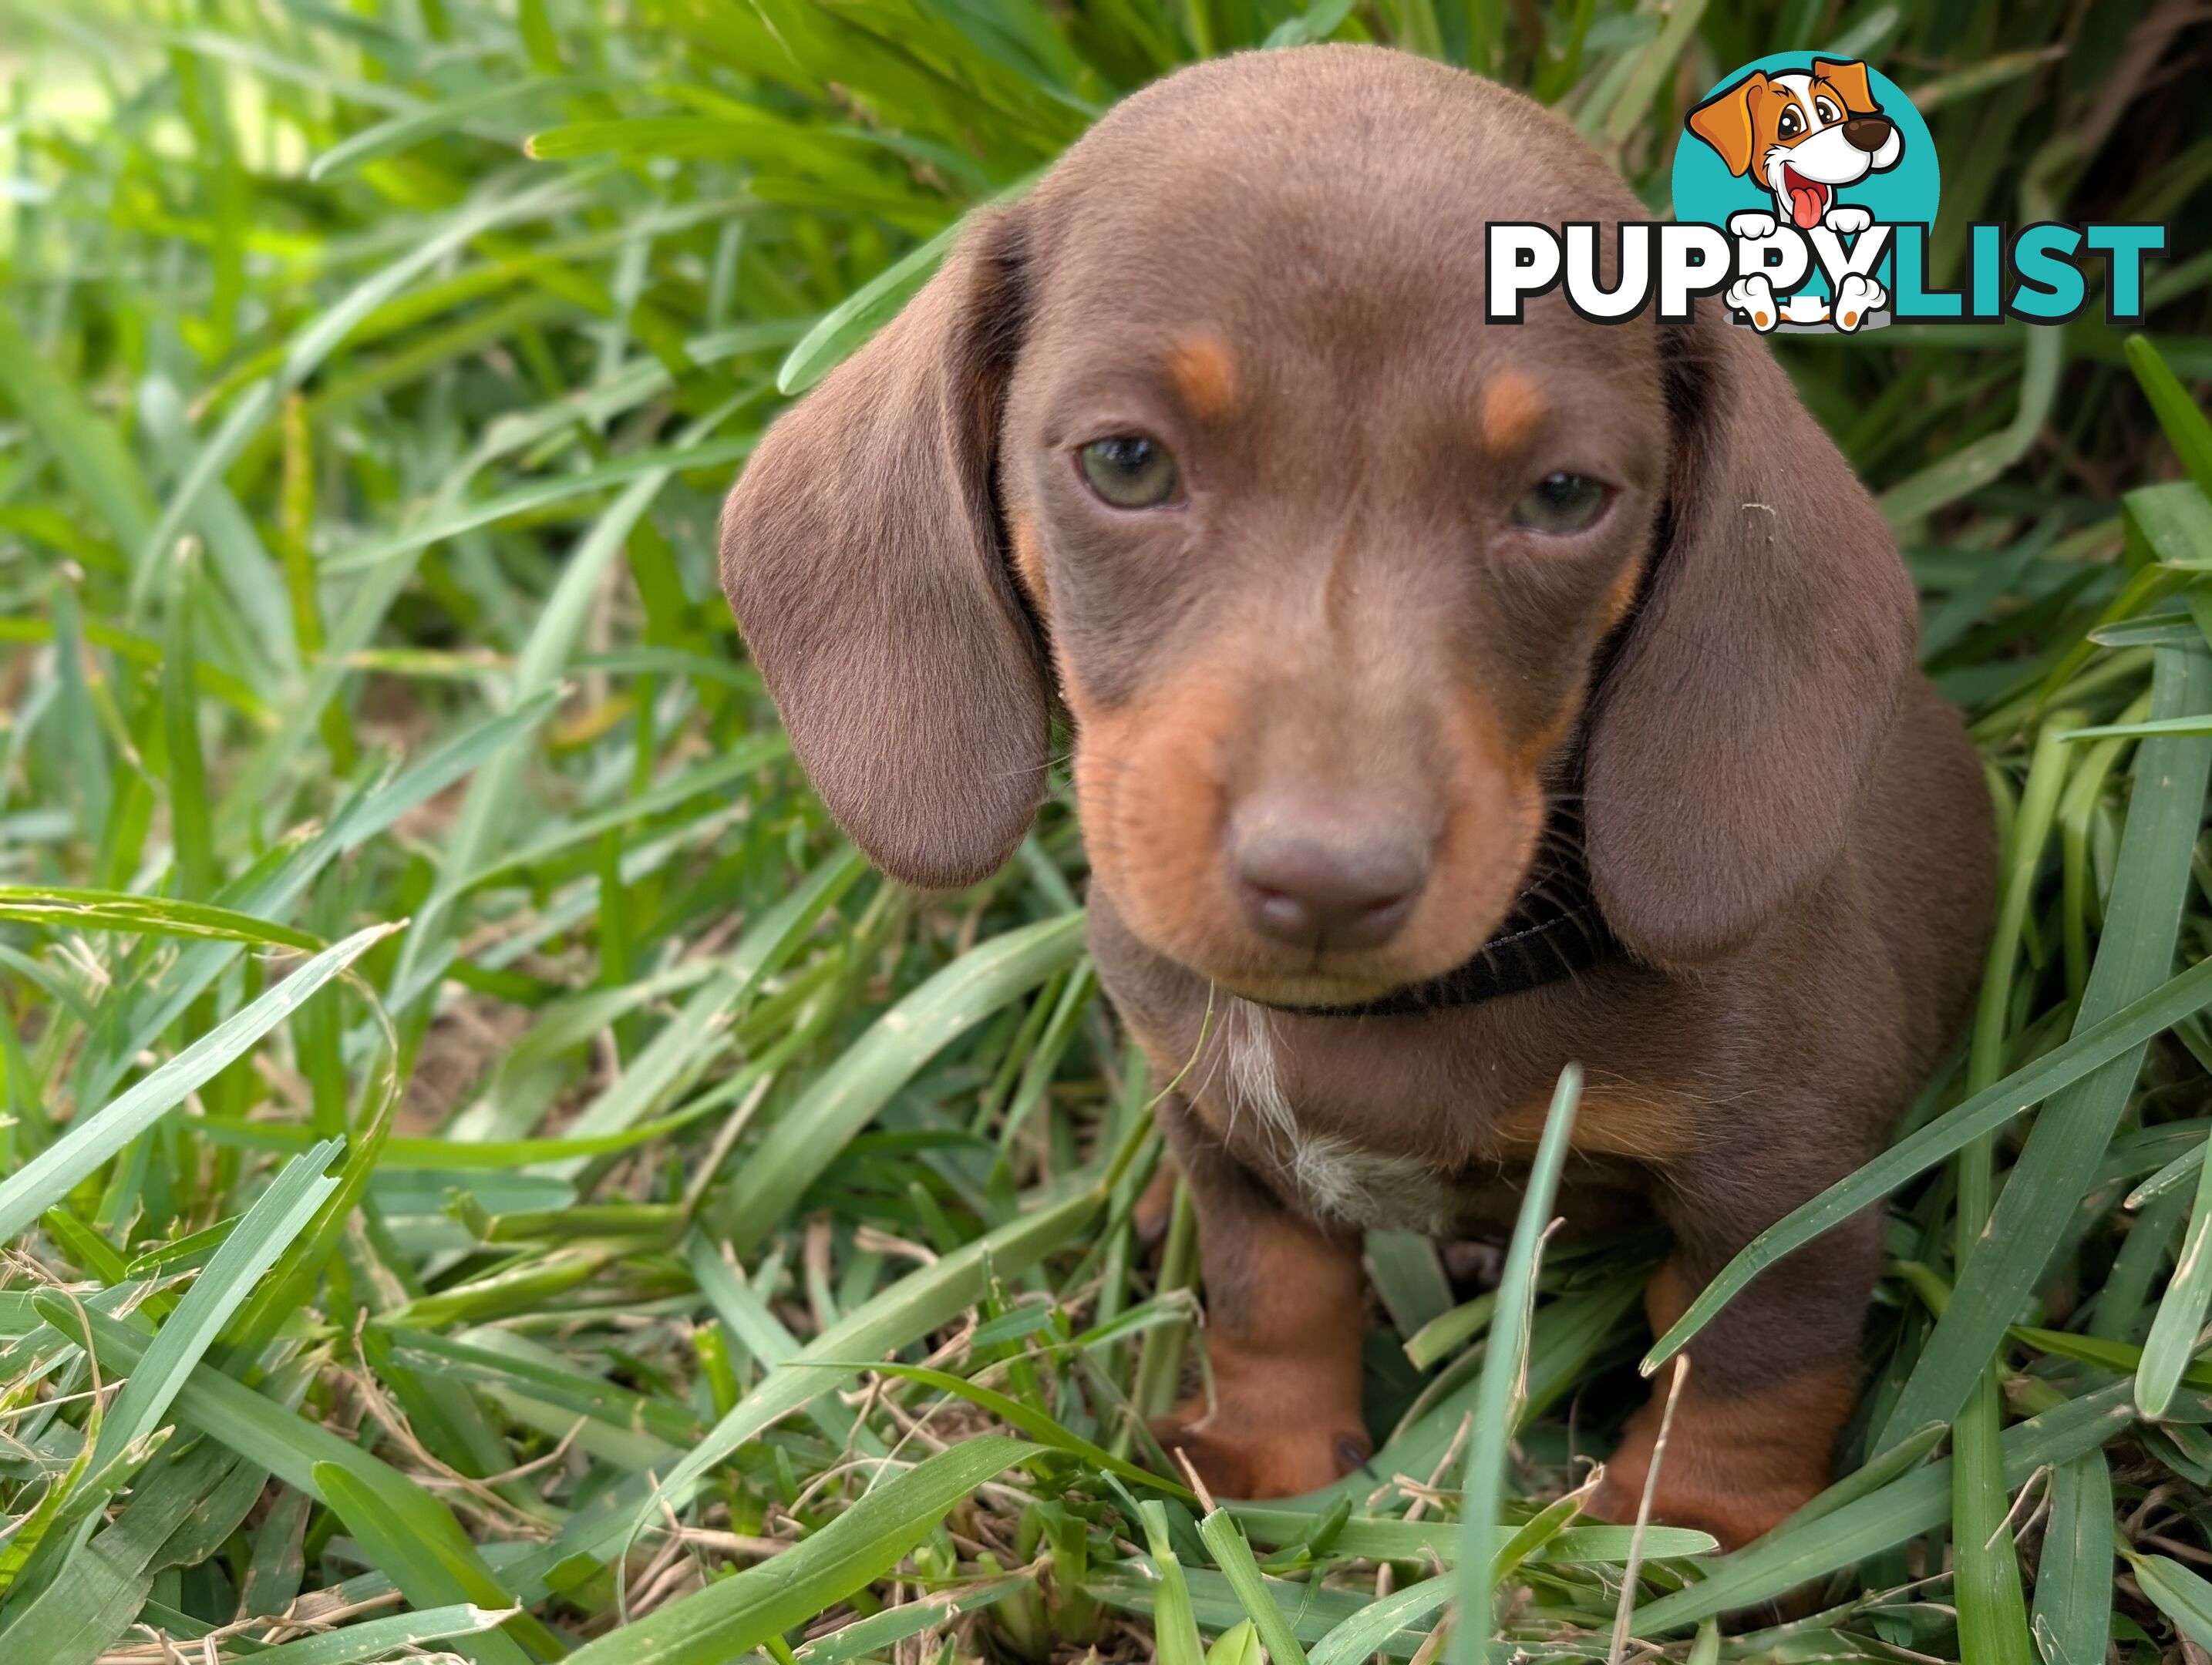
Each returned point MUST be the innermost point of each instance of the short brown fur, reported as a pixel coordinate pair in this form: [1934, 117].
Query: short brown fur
[1718, 673]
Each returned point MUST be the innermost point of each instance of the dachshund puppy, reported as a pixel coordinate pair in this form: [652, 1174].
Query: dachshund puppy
[1449, 702]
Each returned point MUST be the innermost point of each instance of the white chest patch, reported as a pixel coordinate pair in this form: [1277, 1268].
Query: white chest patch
[1336, 1178]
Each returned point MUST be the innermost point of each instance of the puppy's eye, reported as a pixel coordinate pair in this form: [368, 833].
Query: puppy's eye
[1790, 125]
[1828, 111]
[1561, 503]
[1130, 470]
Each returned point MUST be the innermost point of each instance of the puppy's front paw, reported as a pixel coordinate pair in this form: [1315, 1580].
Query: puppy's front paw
[1751, 225]
[1847, 221]
[1736, 1465]
[1702, 1503]
[1754, 297]
[1242, 1457]
[1856, 297]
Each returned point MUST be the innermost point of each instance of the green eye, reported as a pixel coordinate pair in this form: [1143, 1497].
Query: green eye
[1561, 503]
[1130, 470]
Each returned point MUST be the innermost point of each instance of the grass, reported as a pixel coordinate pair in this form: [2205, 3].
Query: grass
[490, 1174]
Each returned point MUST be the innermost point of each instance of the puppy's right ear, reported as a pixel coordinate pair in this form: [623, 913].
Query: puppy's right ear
[1733, 734]
[862, 552]
[1725, 121]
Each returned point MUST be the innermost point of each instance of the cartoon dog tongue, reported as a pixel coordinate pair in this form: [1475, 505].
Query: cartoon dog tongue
[1805, 207]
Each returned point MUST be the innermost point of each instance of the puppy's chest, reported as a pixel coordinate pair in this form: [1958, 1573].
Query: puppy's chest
[1427, 1149]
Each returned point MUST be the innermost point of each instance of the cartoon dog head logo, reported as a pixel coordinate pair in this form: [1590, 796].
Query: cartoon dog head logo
[1812, 166]
[1804, 135]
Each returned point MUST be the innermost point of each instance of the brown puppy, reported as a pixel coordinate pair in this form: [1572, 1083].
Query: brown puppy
[1354, 602]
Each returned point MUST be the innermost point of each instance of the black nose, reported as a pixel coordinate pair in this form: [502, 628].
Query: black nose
[1326, 870]
[1868, 133]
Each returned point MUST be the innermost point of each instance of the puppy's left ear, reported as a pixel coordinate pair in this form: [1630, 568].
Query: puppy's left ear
[863, 553]
[1851, 80]
[1732, 735]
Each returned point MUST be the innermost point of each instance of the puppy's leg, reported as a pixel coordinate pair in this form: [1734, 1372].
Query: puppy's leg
[1285, 1322]
[1771, 1379]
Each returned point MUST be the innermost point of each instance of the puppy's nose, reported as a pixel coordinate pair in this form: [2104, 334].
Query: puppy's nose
[1326, 871]
[1866, 133]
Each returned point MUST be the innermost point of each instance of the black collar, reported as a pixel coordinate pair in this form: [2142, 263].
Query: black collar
[1555, 930]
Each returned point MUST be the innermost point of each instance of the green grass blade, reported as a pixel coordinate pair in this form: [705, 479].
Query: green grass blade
[2073, 1576]
[1175, 1621]
[404, 131]
[744, 1610]
[1039, 1426]
[1357, 1638]
[1238, 1645]
[880, 1634]
[806, 1139]
[316, 342]
[293, 1448]
[278, 1215]
[1502, 1368]
[1870, 1477]
[447, 524]
[1225, 1541]
[908, 1309]
[2187, 430]
[90, 453]
[68, 909]
[374, 1638]
[2168, 1350]
[2070, 1135]
[1985, 1566]
[847, 326]
[1411, 1280]
[48, 1176]
[427, 1569]
[491, 796]
[2181, 1595]
[1378, 1538]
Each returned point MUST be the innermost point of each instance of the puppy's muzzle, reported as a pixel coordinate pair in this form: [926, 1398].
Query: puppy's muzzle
[1326, 870]
[1869, 133]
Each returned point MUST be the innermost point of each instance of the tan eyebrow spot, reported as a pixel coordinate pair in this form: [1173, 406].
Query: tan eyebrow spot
[1200, 368]
[1029, 560]
[1622, 595]
[1512, 408]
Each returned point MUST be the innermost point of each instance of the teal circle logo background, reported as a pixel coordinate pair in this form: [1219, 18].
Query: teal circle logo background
[1704, 190]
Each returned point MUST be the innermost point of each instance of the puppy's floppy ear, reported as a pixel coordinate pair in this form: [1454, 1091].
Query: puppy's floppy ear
[1736, 724]
[1725, 121]
[862, 552]
[1851, 80]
